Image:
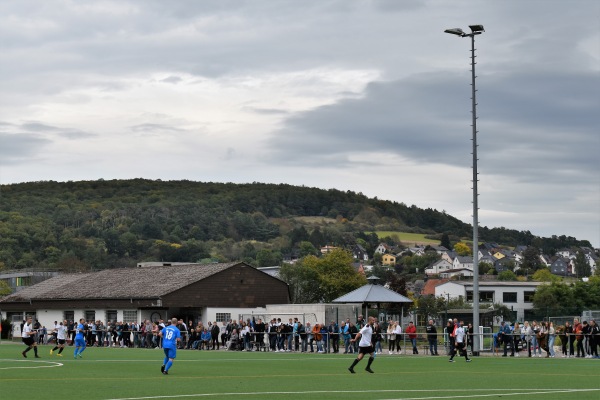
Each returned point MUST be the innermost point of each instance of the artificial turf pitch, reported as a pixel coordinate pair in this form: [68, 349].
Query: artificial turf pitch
[115, 373]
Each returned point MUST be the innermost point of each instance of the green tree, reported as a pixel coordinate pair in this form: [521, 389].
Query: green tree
[582, 267]
[336, 275]
[4, 288]
[507, 276]
[303, 283]
[531, 260]
[544, 275]
[446, 241]
[307, 249]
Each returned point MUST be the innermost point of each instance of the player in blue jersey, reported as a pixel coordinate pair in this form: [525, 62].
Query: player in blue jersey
[80, 339]
[170, 337]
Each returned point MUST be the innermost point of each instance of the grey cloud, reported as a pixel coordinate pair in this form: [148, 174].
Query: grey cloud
[154, 128]
[266, 111]
[527, 126]
[63, 132]
[17, 148]
[172, 79]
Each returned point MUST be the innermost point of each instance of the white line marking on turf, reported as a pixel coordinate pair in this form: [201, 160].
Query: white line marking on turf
[517, 392]
[55, 364]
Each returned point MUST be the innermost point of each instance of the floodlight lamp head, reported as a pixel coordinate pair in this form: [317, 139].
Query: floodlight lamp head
[455, 31]
[476, 28]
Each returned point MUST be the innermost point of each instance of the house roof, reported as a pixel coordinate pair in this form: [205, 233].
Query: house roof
[495, 283]
[429, 288]
[372, 294]
[138, 283]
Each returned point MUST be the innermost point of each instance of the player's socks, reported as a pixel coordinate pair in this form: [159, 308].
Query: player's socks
[168, 365]
[166, 360]
[61, 349]
[354, 363]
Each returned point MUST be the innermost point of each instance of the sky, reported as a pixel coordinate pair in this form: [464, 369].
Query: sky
[369, 96]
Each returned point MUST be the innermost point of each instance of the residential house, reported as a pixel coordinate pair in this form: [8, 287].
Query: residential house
[328, 249]
[438, 267]
[388, 259]
[359, 253]
[464, 272]
[449, 256]
[383, 248]
[463, 262]
[561, 266]
[518, 296]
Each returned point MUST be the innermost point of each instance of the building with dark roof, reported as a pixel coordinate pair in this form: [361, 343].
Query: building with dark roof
[197, 292]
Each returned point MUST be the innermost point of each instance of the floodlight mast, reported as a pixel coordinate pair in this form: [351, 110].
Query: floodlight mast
[475, 30]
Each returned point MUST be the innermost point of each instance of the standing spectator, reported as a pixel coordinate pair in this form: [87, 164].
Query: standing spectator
[551, 338]
[411, 331]
[594, 338]
[398, 332]
[469, 330]
[353, 331]
[325, 338]
[542, 337]
[345, 333]
[527, 333]
[391, 336]
[432, 337]
[586, 338]
[535, 345]
[100, 332]
[570, 339]
[334, 336]
[305, 336]
[450, 333]
[578, 331]
[316, 331]
[377, 337]
[215, 331]
[516, 338]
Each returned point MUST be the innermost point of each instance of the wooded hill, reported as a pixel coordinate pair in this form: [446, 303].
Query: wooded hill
[107, 224]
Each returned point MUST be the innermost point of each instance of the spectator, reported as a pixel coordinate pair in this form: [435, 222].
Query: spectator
[432, 338]
[411, 331]
[391, 336]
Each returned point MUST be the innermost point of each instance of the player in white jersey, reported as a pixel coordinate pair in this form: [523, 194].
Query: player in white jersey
[459, 345]
[28, 338]
[61, 338]
[365, 346]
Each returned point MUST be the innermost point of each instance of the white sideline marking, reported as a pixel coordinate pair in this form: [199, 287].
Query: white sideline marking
[55, 364]
[488, 394]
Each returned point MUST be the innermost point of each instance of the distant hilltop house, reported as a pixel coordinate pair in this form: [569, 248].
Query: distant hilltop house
[359, 253]
[328, 249]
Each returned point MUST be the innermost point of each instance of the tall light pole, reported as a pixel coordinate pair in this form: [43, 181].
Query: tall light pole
[475, 30]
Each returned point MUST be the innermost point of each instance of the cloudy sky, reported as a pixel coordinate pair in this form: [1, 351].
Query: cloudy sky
[364, 95]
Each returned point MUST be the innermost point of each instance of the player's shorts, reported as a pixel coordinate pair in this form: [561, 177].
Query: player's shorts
[79, 342]
[62, 341]
[29, 341]
[365, 350]
[170, 352]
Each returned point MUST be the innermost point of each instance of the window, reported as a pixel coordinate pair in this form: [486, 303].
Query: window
[129, 316]
[69, 315]
[509, 297]
[111, 316]
[90, 315]
[528, 297]
[484, 297]
[223, 317]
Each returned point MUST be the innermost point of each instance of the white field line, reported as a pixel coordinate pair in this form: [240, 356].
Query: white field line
[500, 392]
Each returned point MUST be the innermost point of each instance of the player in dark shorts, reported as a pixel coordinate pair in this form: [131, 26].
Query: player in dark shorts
[28, 338]
[365, 346]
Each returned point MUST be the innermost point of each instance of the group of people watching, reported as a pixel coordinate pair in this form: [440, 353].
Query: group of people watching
[583, 337]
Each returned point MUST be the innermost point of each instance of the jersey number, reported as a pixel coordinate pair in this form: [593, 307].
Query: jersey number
[169, 335]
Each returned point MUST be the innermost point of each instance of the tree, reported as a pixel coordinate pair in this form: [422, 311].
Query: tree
[462, 249]
[5, 290]
[531, 260]
[582, 267]
[445, 242]
[507, 276]
[544, 275]
[336, 275]
[303, 282]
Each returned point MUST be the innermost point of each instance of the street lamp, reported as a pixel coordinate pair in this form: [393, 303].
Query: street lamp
[475, 30]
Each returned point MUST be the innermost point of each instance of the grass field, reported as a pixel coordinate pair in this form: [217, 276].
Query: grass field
[116, 373]
[409, 239]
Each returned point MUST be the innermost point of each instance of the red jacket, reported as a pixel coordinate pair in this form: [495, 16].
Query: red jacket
[411, 330]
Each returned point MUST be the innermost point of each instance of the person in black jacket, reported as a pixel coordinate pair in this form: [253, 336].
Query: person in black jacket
[432, 337]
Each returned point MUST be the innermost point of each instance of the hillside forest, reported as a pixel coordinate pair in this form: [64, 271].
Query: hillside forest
[91, 225]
